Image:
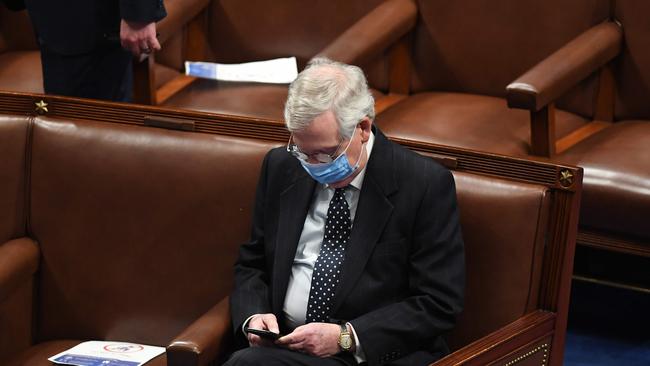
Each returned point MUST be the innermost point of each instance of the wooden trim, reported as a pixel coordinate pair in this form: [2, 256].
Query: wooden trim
[605, 96]
[580, 134]
[144, 81]
[537, 352]
[542, 131]
[558, 263]
[536, 172]
[613, 243]
[172, 87]
[507, 340]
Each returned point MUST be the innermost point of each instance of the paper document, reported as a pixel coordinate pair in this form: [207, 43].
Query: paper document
[96, 353]
[276, 71]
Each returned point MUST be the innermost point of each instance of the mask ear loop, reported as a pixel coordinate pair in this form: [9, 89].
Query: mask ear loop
[356, 166]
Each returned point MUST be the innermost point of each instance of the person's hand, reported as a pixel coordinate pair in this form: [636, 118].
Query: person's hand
[262, 321]
[316, 339]
[139, 38]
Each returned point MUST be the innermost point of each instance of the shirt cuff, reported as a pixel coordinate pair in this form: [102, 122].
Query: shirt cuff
[359, 355]
[245, 324]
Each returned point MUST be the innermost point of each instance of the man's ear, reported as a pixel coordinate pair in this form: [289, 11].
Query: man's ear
[365, 125]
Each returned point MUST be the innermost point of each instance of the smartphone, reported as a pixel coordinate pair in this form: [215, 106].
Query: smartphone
[266, 334]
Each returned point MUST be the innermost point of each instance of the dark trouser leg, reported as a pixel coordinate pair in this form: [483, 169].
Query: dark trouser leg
[105, 73]
[279, 356]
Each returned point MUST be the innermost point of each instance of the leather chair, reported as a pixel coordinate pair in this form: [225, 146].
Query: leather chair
[357, 32]
[464, 55]
[118, 231]
[615, 153]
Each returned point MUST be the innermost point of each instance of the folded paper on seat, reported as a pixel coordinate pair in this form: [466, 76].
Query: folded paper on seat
[276, 71]
[99, 353]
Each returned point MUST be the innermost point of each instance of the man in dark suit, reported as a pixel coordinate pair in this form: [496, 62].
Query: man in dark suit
[356, 252]
[86, 45]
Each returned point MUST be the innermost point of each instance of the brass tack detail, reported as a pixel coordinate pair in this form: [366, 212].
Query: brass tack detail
[41, 107]
[566, 178]
[543, 348]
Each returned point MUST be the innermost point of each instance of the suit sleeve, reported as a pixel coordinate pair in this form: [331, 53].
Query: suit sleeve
[145, 11]
[251, 289]
[436, 281]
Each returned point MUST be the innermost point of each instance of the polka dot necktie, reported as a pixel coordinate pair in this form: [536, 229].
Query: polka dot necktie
[327, 269]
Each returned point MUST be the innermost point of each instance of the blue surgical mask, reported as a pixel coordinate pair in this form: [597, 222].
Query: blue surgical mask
[335, 171]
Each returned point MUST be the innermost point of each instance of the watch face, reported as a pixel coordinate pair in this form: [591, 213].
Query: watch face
[346, 341]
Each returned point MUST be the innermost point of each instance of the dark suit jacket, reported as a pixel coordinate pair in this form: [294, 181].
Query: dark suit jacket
[403, 277]
[72, 27]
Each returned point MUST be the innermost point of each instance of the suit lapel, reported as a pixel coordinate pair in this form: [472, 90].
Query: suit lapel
[294, 204]
[373, 211]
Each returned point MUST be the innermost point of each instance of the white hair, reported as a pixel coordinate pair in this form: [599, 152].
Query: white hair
[329, 85]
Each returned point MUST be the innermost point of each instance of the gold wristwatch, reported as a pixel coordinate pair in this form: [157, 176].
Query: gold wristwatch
[345, 338]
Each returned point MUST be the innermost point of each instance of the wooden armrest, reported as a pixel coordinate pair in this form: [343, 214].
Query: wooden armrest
[503, 342]
[373, 33]
[562, 70]
[204, 340]
[179, 13]
[18, 262]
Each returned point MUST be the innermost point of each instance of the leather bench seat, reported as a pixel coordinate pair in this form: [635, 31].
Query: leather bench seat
[131, 233]
[469, 121]
[616, 162]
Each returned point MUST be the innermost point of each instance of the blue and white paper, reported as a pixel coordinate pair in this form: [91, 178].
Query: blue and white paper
[96, 353]
[276, 71]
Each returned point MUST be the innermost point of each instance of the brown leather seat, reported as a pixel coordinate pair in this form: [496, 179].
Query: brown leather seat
[616, 159]
[357, 32]
[465, 53]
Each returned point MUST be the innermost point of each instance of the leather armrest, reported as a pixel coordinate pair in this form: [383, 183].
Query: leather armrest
[562, 70]
[503, 342]
[373, 33]
[204, 340]
[18, 262]
[179, 13]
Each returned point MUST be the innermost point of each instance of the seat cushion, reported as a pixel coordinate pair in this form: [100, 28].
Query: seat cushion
[21, 71]
[38, 354]
[616, 183]
[253, 100]
[466, 120]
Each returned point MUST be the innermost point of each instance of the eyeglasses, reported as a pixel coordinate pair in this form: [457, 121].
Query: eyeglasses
[294, 150]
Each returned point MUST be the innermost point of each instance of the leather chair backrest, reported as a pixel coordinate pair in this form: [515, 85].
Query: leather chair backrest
[632, 68]
[252, 30]
[481, 46]
[13, 142]
[16, 32]
[503, 224]
[138, 227]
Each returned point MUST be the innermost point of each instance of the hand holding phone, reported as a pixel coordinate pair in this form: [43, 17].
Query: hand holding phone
[266, 334]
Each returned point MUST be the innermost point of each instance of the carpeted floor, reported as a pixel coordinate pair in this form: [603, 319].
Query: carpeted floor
[607, 326]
